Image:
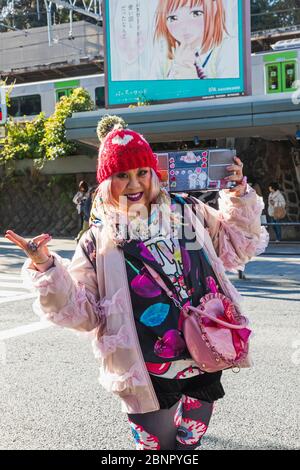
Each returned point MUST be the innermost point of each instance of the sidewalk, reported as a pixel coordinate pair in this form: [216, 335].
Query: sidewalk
[283, 249]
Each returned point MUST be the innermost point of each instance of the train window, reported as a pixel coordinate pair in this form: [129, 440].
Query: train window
[29, 105]
[289, 75]
[273, 78]
[63, 92]
[100, 97]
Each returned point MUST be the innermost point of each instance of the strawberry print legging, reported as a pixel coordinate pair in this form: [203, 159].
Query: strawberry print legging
[180, 427]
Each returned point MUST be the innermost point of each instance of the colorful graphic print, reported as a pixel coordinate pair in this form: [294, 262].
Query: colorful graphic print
[144, 252]
[189, 372]
[190, 403]
[143, 440]
[178, 415]
[158, 369]
[171, 345]
[155, 314]
[144, 285]
[169, 256]
[190, 431]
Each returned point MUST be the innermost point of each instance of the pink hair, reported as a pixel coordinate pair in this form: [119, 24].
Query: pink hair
[214, 22]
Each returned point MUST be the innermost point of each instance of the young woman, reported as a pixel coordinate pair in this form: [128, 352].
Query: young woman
[198, 43]
[275, 201]
[79, 199]
[109, 289]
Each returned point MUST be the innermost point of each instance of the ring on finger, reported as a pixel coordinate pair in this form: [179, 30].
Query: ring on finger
[32, 246]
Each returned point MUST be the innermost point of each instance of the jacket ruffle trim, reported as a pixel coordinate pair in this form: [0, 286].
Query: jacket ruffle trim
[119, 383]
[74, 313]
[49, 282]
[57, 279]
[113, 306]
[108, 344]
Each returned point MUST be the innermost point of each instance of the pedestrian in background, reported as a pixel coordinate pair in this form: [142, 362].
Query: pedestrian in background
[111, 287]
[276, 209]
[79, 199]
[86, 209]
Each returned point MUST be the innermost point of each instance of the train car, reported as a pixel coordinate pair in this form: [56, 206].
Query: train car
[29, 99]
[276, 71]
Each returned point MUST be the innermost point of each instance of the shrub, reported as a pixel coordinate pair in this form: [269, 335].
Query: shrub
[44, 138]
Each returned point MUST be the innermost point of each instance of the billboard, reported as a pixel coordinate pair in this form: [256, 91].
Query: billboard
[174, 50]
[3, 111]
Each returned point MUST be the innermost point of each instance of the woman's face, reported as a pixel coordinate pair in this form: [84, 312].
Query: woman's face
[135, 185]
[186, 24]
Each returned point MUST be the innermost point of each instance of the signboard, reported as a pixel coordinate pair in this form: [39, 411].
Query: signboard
[161, 50]
[3, 110]
[196, 170]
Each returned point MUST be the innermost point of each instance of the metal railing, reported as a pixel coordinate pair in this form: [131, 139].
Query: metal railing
[282, 223]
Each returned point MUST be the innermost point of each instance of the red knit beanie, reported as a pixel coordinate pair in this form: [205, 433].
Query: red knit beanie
[124, 150]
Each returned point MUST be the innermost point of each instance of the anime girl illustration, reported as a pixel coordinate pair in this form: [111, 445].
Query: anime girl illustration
[193, 36]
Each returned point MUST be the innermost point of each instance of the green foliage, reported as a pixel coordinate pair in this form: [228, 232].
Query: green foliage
[9, 89]
[25, 15]
[54, 143]
[273, 14]
[44, 138]
[23, 139]
[141, 101]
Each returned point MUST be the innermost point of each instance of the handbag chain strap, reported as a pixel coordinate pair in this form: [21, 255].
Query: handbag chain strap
[162, 284]
[169, 293]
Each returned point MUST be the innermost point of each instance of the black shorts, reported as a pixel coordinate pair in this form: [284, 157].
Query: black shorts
[205, 387]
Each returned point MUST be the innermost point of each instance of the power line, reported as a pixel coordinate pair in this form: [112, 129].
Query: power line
[274, 12]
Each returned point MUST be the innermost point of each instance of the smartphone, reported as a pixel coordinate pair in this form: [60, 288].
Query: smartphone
[196, 170]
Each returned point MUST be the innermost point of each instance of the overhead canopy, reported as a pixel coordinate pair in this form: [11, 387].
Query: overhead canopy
[268, 117]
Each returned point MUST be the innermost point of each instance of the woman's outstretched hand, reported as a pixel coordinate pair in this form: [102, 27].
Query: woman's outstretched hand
[36, 249]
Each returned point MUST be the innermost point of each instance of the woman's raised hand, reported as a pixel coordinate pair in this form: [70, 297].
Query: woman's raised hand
[36, 249]
[238, 177]
[183, 65]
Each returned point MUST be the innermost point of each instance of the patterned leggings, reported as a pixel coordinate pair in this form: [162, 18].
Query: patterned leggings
[178, 428]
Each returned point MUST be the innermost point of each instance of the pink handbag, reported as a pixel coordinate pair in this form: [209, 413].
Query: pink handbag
[216, 335]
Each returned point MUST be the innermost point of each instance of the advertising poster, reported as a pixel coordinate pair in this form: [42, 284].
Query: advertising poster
[3, 110]
[166, 50]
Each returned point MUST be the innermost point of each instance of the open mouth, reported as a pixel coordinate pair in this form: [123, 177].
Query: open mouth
[134, 197]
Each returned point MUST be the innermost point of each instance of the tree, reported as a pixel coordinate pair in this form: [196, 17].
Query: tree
[273, 14]
[25, 15]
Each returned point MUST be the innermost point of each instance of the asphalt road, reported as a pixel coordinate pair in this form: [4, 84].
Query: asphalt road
[50, 397]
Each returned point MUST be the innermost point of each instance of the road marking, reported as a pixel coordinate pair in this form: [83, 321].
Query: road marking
[9, 293]
[9, 277]
[12, 284]
[12, 289]
[24, 330]
[16, 298]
